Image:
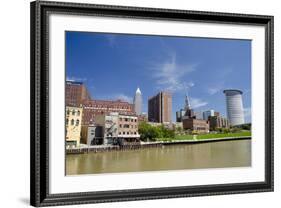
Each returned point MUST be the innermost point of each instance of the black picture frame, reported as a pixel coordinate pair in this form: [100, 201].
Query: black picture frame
[39, 187]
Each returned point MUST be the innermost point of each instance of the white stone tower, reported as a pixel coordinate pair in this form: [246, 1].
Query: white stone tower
[138, 102]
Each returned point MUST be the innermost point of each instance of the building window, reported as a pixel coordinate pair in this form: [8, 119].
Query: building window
[73, 112]
[126, 126]
[120, 119]
[77, 122]
[66, 121]
[67, 112]
[78, 113]
[123, 132]
[126, 119]
[72, 121]
[128, 133]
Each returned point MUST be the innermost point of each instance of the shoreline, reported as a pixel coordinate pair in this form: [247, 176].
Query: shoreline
[106, 148]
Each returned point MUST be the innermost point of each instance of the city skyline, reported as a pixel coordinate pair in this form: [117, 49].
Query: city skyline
[113, 66]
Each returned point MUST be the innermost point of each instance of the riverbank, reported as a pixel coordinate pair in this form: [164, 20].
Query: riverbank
[222, 154]
[105, 148]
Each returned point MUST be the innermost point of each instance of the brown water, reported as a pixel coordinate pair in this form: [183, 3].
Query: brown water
[173, 157]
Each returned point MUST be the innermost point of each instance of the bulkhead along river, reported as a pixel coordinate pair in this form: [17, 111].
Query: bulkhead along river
[170, 157]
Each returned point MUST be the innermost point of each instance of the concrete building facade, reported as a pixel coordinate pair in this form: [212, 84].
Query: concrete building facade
[207, 114]
[160, 108]
[234, 106]
[119, 129]
[218, 122]
[73, 126]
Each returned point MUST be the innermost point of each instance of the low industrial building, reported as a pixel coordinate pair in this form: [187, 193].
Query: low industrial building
[118, 129]
[218, 122]
[199, 125]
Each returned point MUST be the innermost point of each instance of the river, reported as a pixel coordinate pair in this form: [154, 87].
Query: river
[171, 157]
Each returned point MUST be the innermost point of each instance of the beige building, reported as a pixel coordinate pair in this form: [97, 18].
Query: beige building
[218, 122]
[73, 126]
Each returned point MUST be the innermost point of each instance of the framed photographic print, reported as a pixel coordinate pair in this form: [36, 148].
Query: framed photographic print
[131, 103]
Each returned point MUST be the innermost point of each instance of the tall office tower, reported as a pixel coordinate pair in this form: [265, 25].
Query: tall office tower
[234, 106]
[208, 113]
[138, 102]
[160, 108]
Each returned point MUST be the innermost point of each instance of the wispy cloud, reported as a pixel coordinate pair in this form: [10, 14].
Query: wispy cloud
[79, 79]
[197, 102]
[123, 97]
[214, 89]
[169, 74]
[220, 75]
[116, 96]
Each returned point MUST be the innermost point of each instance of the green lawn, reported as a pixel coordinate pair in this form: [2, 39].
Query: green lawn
[206, 136]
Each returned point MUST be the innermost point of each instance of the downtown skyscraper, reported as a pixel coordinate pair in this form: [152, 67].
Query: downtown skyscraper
[138, 102]
[160, 108]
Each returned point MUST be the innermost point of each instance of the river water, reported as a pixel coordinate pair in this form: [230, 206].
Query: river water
[171, 157]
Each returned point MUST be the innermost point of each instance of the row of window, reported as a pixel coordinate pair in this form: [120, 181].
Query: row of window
[128, 119]
[127, 133]
[73, 112]
[200, 128]
[127, 126]
[108, 107]
[72, 122]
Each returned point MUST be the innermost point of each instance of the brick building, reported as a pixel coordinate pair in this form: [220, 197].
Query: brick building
[75, 93]
[160, 108]
[199, 125]
[92, 108]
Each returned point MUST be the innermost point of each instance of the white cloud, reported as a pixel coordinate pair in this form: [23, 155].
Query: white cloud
[78, 79]
[123, 97]
[213, 89]
[169, 75]
[197, 102]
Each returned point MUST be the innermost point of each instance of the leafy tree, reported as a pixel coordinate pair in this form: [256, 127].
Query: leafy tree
[148, 132]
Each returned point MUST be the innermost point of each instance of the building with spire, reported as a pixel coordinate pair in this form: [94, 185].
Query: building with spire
[138, 102]
[190, 120]
[186, 111]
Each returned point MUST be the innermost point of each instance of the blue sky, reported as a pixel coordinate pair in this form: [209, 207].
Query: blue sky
[112, 66]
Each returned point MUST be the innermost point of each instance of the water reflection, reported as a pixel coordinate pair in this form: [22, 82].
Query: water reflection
[174, 157]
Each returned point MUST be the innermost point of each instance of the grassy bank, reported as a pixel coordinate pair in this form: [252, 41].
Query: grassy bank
[206, 136]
